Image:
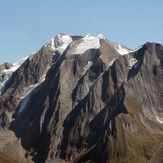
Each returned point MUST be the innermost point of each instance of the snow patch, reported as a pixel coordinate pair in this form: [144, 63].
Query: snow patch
[6, 74]
[24, 103]
[61, 49]
[52, 44]
[137, 48]
[111, 63]
[3, 79]
[16, 65]
[160, 120]
[89, 64]
[137, 64]
[123, 51]
[100, 36]
[132, 61]
[65, 39]
[88, 42]
[27, 96]
[59, 43]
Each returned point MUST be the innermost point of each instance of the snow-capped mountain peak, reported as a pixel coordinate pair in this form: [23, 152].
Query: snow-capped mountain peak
[100, 36]
[87, 42]
[59, 43]
[69, 104]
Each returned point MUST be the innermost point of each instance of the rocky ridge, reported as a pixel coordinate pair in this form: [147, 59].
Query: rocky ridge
[79, 100]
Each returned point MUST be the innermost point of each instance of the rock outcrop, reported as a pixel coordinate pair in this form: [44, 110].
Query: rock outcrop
[5, 66]
[79, 100]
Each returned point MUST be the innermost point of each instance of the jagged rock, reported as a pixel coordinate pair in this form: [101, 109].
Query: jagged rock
[5, 66]
[87, 104]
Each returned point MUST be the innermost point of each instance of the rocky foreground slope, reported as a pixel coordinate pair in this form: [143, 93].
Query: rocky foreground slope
[83, 99]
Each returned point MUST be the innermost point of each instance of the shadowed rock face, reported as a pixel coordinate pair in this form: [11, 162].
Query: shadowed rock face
[97, 106]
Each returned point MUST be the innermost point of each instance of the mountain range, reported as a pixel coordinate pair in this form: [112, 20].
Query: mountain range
[83, 99]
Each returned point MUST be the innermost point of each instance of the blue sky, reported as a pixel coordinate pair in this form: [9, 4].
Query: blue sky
[25, 26]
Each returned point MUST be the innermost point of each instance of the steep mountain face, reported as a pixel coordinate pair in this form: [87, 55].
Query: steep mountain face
[80, 99]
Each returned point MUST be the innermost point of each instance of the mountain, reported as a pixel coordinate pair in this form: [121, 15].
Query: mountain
[83, 99]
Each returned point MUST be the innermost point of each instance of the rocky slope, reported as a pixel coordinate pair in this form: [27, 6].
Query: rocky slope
[80, 99]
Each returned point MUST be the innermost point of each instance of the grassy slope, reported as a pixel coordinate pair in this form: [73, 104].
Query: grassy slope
[137, 142]
[6, 159]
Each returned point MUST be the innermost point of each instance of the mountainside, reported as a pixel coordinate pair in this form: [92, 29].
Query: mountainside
[83, 99]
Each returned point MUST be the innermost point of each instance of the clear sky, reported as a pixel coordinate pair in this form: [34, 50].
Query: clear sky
[26, 25]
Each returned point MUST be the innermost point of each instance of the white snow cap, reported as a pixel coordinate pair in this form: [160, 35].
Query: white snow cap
[121, 50]
[64, 41]
[100, 36]
[88, 42]
[61, 41]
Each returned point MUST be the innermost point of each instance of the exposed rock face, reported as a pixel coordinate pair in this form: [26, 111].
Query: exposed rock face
[5, 66]
[93, 105]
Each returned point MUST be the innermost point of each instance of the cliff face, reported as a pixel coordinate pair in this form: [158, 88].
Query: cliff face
[79, 100]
